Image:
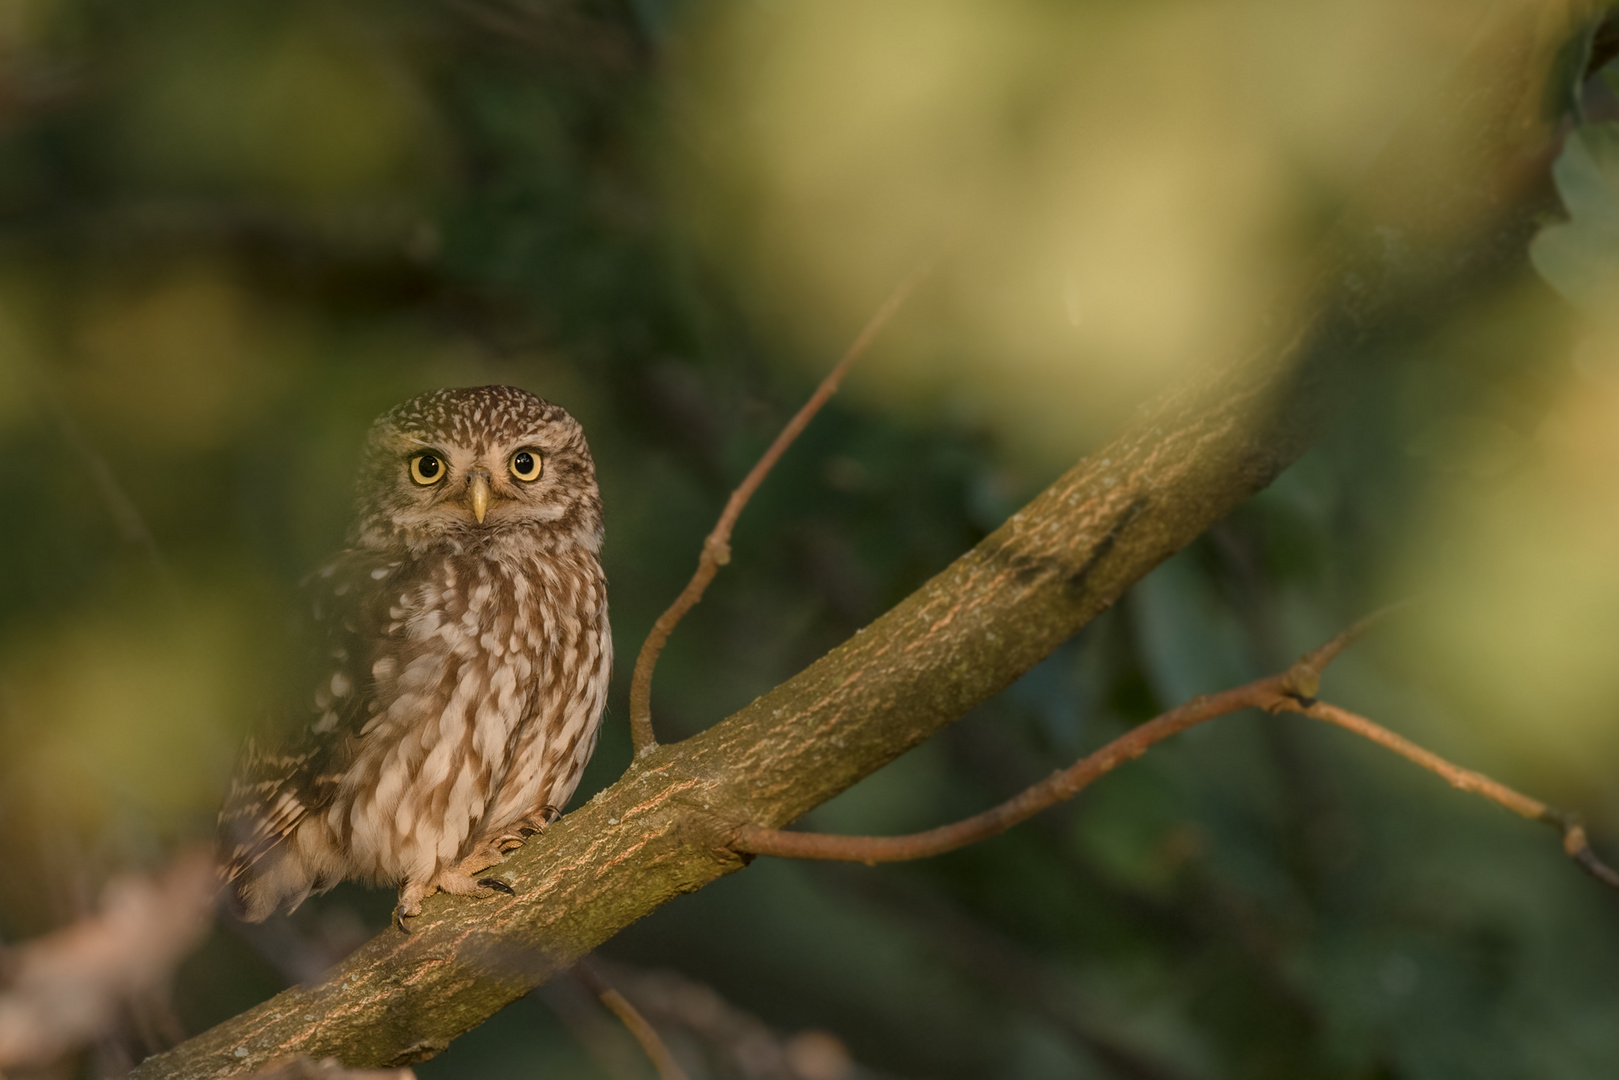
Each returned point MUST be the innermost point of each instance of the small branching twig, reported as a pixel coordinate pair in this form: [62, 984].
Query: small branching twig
[725, 1040]
[1304, 677]
[132, 527]
[644, 1032]
[717, 547]
[1293, 690]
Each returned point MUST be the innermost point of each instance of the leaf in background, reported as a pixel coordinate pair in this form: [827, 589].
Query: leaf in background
[1580, 257]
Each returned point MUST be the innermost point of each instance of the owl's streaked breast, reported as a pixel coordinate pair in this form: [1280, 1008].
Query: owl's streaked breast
[487, 684]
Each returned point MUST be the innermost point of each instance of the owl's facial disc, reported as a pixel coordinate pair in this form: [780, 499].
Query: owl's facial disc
[477, 460]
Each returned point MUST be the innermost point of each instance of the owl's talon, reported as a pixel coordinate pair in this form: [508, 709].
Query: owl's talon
[497, 884]
[399, 918]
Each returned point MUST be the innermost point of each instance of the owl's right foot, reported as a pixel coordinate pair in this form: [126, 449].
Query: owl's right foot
[518, 834]
[465, 877]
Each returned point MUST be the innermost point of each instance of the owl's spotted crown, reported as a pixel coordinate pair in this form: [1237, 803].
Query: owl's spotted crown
[470, 414]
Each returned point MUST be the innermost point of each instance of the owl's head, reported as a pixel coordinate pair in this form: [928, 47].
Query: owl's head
[466, 464]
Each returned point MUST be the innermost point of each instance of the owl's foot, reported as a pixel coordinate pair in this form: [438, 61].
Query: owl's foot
[453, 881]
[515, 837]
[463, 879]
[411, 896]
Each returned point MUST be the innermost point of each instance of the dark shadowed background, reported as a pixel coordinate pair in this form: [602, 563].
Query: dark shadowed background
[231, 234]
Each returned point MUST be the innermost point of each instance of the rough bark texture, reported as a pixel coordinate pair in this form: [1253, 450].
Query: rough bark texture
[1450, 204]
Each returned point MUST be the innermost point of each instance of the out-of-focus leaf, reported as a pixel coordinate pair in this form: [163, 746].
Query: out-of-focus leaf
[1580, 257]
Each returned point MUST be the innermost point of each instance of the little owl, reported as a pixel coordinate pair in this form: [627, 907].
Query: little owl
[462, 666]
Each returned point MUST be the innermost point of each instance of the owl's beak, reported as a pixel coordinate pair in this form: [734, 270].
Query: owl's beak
[479, 495]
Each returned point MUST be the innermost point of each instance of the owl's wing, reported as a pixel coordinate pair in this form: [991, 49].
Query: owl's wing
[293, 770]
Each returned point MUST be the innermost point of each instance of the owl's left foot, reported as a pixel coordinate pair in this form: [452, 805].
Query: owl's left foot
[410, 902]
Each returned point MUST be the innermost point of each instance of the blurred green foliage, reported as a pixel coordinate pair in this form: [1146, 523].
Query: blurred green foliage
[230, 234]
[1581, 256]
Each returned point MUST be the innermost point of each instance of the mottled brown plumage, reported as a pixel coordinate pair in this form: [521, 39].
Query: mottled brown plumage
[464, 659]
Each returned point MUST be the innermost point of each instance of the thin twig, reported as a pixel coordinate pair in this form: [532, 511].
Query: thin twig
[729, 1041]
[1305, 674]
[1058, 787]
[132, 527]
[1458, 777]
[1291, 691]
[644, 1032]
[717, 547]
[1576, 845]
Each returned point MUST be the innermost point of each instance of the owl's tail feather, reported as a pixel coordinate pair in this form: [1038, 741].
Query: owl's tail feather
[278, 878]
[259, 870]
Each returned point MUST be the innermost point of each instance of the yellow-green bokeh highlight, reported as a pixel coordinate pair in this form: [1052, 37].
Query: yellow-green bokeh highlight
[303, 105]
[1119, 190]
[1518, 567]
[179, 358]
[134, 712]
[25, 26]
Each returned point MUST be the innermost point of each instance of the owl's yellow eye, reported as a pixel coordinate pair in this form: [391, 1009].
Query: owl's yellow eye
[427, 469]
[526, 465]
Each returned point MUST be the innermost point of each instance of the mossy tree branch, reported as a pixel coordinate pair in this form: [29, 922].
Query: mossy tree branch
[1448, 208]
